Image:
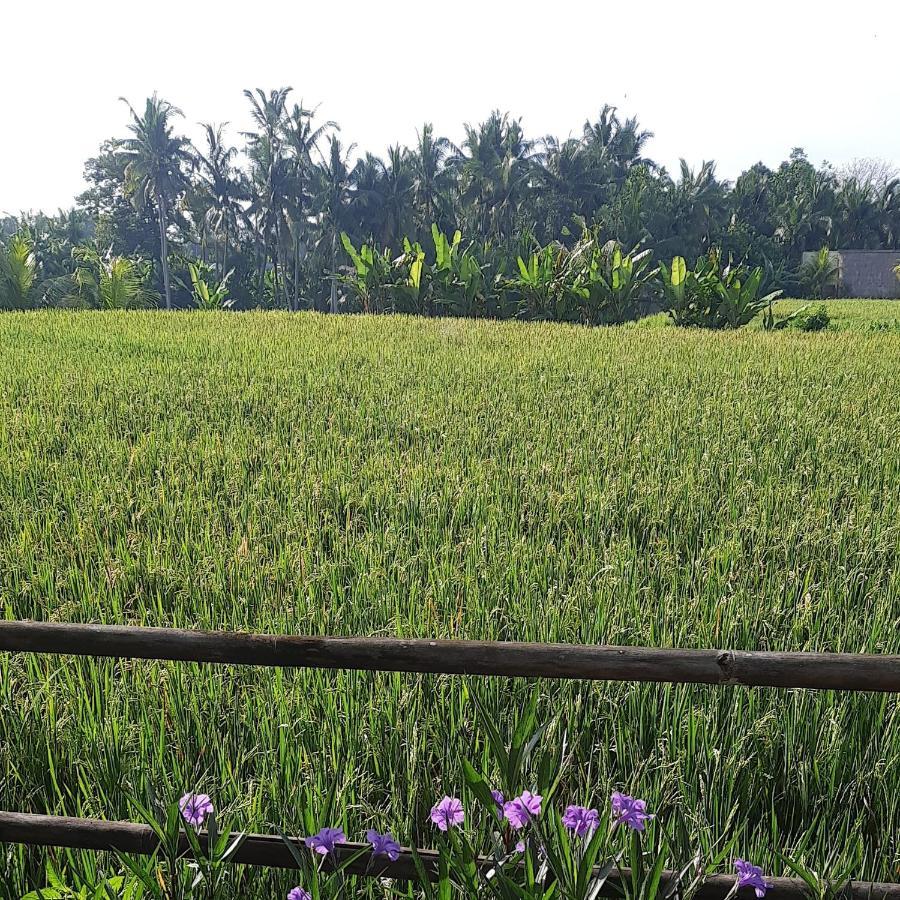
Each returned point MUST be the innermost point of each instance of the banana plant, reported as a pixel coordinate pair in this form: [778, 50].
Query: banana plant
[371, 277]
[740, 299]
[409, 287]
[543, 285]
[208, 294]
[691, 296]
[608, 283]
[457, 276]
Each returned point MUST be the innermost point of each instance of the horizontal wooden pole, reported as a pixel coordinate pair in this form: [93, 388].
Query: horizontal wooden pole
[823, 671]
[269, 851]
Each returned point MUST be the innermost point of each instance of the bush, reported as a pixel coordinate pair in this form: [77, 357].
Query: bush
[813, 319]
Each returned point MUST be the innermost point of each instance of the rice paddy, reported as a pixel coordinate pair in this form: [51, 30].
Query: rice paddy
[444, 478]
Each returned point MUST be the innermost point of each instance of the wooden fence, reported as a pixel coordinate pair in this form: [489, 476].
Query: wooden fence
[817, 671]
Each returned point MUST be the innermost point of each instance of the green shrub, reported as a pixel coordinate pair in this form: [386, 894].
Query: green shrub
[813, 319]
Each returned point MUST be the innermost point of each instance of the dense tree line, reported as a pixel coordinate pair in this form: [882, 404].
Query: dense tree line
[263, 225]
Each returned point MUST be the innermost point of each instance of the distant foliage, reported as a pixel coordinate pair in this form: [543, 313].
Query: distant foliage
[591, 282]
[271, 210]
[106, 281]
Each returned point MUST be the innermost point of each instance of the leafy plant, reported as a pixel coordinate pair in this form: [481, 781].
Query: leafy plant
[814, 319]
[109, 281]
[117, 887]
[410, 283]
[691, 296]
[457, 277]
[609, 283]
[371, 276]
[208, 293]
[739, 297]
[542, 285]
[170, 875]
[18, 273]
[819, 277]
[711, 297]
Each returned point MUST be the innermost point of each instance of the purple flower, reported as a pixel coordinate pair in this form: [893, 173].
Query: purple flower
[522, 809]
[629, 811]
[581, 820]
[520, 846]
[325, 841]
[751, 876]
[383, 844]
[298, 893]
[195, 808]
[498, 798]
[447, 812]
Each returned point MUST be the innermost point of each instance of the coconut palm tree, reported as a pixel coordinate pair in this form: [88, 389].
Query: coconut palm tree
[495, 167]
[858, 215]
[389, 195]
[333, 192]
[222, 191]
[569, 184]
[432, 179]
[698, 204]
[301, 140]
[155, 168]
[109, 282]
[889, 208]
[271, 174]
[614, 143]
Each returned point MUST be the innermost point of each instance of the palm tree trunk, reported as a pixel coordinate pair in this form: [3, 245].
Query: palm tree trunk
[333, 307]
[164, 248]
[296, 272]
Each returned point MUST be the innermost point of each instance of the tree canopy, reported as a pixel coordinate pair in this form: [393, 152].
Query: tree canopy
[269, 214]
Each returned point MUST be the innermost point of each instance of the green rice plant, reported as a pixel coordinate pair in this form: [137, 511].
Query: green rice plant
[446, 478]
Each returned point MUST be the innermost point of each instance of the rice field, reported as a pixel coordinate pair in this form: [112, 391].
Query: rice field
[443, 478]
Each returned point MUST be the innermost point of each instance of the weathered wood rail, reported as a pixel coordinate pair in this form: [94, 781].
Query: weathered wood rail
[270, 851]
[815, 671]
[818, 671]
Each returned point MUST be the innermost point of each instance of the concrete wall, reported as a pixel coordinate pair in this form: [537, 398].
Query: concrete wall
[865, 273]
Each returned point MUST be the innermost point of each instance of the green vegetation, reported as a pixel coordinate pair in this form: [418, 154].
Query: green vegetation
[848, 315]
[272, 209]
[449, 478]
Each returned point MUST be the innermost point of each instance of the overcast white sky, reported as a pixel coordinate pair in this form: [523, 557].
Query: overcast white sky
[736, 82]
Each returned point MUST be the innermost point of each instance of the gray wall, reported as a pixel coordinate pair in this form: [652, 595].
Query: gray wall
[865, 273]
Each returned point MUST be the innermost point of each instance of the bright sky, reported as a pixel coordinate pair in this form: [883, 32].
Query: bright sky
[734, 81]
